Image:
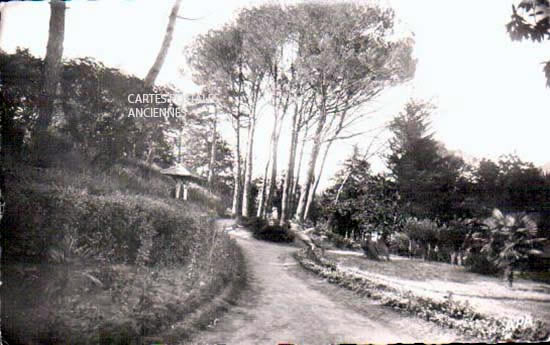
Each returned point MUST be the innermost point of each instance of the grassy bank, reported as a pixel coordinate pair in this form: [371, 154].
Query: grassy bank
[104, 255]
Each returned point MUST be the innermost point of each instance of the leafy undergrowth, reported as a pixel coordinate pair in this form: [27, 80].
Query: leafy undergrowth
[448, 313]
[105, 255]
[90, 303]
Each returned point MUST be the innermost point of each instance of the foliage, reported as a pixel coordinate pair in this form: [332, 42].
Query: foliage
[451, 236]
[273, 233]
[262, 230]
[92, 108]
[18, 98]
[431, 181]
[360, 203]
[522, 185]
[340, 241]
[195, 142]
[342, 55]
[115, 229]
[479, 263]
[508, 241]
[436, 184]
[538, 29]
[424, 231]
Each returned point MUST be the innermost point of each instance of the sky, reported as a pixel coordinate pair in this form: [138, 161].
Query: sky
[489, 91]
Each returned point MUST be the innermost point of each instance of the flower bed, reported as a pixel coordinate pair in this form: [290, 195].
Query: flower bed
[448, 313]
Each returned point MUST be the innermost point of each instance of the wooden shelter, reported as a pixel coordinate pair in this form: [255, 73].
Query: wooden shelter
[182, 176]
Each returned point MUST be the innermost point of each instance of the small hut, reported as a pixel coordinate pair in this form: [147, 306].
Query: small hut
[182, 176]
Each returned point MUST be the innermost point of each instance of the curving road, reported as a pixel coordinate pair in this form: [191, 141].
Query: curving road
[285, 304]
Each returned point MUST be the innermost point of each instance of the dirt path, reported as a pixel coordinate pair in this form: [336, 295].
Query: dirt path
[285, 304]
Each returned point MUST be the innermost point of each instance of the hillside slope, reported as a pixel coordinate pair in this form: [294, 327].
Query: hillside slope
[104, 255]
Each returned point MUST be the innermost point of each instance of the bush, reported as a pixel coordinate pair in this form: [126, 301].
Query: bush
[508, 241]
[478, 263]
[399, 244]
[340, 241]
[271, 233]
[115, 228]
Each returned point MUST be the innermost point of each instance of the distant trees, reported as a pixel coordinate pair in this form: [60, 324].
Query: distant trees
[92, 110]
[217, 62]
[434, 205]
[511, 185]
[436, 184]
[536, 28]
[205, 152]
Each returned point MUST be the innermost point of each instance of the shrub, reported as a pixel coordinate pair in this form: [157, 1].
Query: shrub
[507, 241]
[113, 228]
[340, 241]
[399, 244]
[268, 232]
[479, 263]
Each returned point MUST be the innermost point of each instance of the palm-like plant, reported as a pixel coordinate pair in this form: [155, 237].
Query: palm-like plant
[510, 240]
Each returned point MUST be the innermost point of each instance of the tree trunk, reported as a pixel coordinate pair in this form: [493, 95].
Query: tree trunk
[298, 169]
[277, 127]
[273, 175]
[212, 164]
[310, 175]
[285, 202]
[155, 69]
[314, 189]
[261, 203]
[237, 188]
[247, 207]
[52, 68]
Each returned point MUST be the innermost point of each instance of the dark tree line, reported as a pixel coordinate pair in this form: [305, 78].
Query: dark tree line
[433, 204]
[91, 112]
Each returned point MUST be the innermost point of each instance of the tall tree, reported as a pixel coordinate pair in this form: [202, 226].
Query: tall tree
[276, 52]
[254, 74]
[52, 66]
[347, 60]
[217, 59]
[300, 120]
[427, 175]
[159, 61]
[413, 154]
